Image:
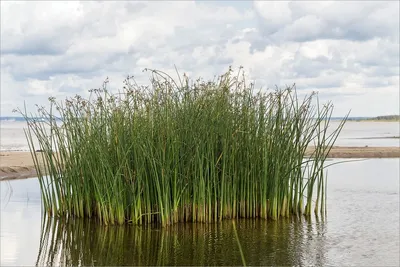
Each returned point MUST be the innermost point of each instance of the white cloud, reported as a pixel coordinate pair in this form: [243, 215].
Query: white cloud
[310, 20]
[275, 13]
[348, 51]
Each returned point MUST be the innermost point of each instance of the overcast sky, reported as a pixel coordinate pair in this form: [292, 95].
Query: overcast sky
[347, 51]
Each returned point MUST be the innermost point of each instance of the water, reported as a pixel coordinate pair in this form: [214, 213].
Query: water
[367, 133]
[12, 136]
[353, 134]
[361, 229]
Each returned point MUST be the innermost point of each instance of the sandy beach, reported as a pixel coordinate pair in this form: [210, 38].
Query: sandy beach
[18, 165]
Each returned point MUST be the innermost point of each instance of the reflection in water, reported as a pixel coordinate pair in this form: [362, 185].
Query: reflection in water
[81, 242]
[361, 229]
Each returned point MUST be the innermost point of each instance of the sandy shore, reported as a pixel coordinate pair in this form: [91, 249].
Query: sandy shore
[18, 165]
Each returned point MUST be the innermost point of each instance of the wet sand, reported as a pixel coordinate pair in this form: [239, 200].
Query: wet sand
[18, 165]
[362, 152]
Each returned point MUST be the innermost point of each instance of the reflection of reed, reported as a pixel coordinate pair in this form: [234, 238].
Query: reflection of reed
[82, 242]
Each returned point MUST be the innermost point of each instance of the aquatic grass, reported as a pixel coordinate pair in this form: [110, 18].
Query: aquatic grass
[183, 151]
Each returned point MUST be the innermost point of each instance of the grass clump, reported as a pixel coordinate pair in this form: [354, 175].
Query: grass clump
[183, 151]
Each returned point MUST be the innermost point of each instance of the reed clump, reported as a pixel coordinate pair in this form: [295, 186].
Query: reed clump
[180, 151]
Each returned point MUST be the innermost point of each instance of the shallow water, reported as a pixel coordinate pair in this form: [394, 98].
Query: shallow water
[362, 229]
[13, 138]
[368, 134]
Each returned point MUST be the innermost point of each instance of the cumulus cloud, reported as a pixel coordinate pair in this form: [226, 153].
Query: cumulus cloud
[310, 20]
[348, 51]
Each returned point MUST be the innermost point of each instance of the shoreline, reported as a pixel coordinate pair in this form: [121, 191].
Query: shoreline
[19, 165]
[371, 120]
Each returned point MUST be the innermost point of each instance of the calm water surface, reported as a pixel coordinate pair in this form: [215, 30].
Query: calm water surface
[368, 133]
[362, 229]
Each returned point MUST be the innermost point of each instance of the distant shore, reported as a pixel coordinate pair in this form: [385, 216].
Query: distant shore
[19, 165]
[372, 120]
[387, 118]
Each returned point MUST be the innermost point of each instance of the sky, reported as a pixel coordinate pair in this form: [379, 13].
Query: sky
[346, 51]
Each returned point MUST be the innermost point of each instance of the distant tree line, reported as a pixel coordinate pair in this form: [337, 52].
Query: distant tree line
[387, 118]
[378, 118]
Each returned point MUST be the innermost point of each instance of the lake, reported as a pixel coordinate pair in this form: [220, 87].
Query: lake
[361, 228]
[368, 133]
